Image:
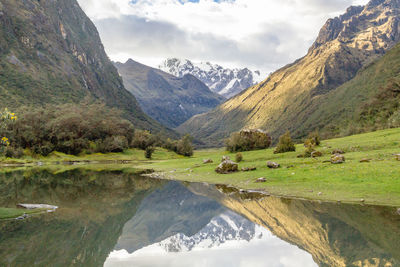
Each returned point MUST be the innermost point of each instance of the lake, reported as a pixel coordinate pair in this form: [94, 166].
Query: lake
[115, 217]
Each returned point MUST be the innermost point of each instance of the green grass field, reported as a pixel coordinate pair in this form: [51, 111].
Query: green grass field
[10, 213]
[377, 182]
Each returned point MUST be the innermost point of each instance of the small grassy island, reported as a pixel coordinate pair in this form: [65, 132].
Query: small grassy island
[370, 173]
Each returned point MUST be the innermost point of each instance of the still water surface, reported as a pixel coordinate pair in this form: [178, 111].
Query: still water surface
[117, 218]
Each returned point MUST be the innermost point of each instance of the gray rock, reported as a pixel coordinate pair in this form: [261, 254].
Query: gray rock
[261, 180]
[37, 206]
[248, 169]
[397, 157]
[227, 166]
[316, 154]
[337, 159]
[207, 161]
[338, 151]
[273, 165]
[225, 158]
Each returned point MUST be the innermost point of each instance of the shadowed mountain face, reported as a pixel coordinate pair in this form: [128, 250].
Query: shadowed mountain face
[345, 45]
[334, 234]
[166, 98]
[51, 53]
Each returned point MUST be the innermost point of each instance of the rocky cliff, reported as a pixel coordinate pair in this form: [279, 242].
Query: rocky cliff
[51, 53]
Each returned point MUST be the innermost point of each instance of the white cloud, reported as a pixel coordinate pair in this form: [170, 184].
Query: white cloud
[262, 34]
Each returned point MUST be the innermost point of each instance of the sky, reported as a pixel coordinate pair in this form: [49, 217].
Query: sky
[258, 34]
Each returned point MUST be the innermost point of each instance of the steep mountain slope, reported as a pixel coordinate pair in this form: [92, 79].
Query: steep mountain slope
[166, 98]
[51, 53]
[224, 81]
[283, 101]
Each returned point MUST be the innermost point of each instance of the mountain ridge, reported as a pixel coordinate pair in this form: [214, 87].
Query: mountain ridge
[344, 45]
[168, 99]
[224, 81]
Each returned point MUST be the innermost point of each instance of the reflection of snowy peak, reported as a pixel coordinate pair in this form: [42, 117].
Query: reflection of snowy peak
[226, 82]
[221, 229]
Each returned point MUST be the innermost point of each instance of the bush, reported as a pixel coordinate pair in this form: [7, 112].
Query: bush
[248, 140]
[239, 157]
[12, 152]
[171, 145]
[285, 144]
[314, 138]
[184, 146]
[143, 139]
[71, 129]
[149, 152]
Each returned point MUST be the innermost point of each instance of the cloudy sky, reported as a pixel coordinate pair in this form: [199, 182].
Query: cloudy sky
[259, 34]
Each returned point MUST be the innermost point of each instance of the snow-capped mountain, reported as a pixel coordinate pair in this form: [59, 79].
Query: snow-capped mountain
[221, 229]
[224, 81]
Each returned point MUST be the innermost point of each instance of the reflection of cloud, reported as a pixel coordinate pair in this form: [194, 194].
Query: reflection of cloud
[254, 33]
[267, 251]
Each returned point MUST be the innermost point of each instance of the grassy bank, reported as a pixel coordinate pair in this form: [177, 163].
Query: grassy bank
[377, 182]
[10, 213]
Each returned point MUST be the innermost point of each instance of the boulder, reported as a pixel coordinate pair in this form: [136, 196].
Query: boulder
[337, 159]
[272, 165]
[365, 160]
[316, 154]
[397, 157]
[337, 151]
[398, 211]
[225, 158]
[261, 180]
[248, 169]
[207, 161]
[227, 166]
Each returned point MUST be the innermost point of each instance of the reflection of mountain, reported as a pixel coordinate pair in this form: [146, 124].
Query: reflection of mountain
[222, 228]
[94, 207]
[168, 211]
[336, 235]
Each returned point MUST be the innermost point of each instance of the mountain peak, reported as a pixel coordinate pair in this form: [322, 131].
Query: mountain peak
[224, 81]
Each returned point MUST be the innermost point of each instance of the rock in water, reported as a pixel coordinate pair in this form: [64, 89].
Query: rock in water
[337, 159]
[37, 206]
[227, 166]
[273, 165]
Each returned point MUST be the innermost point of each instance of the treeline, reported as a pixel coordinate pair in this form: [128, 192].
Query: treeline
[75, 129]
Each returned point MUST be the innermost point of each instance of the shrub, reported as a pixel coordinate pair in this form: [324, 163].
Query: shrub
[314, 138]
[71, 129]
[239, 157]
[12, 152]
[285, 144]
[143, 139]
[149, 152]
[184, 146]
[248, 140]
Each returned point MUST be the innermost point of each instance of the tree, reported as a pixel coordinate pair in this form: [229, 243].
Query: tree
[184, 146]
[285, 144]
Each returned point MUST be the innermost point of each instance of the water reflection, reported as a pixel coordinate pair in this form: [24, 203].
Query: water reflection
[116, 218]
